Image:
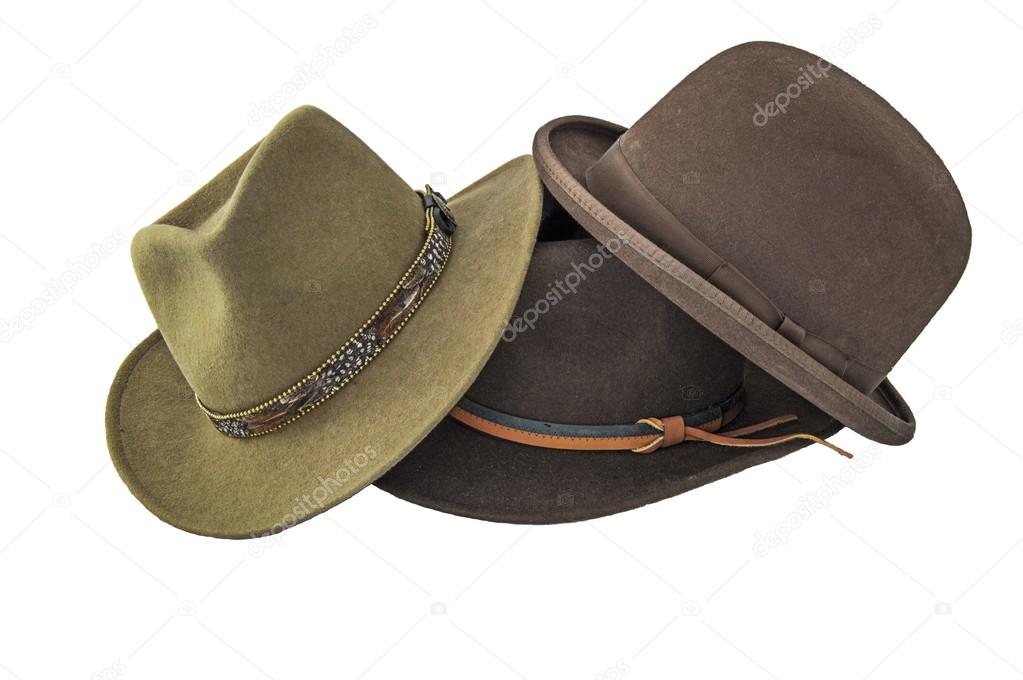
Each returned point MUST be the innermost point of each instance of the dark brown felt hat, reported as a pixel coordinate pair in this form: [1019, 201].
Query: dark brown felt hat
[307, 245]
[789, 209]
[592, 344]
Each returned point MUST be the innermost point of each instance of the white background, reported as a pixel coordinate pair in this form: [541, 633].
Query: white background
[111, 113]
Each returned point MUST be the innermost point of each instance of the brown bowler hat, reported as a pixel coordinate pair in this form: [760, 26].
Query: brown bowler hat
[593, 361]
[789, 209]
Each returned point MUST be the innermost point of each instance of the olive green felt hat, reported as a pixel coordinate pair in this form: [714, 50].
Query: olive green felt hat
[307, 275]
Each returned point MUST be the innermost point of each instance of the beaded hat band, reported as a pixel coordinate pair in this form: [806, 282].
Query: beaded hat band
[363, 346]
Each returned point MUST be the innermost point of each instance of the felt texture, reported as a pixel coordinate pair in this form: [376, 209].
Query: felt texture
[602, 347]
[166, 450]
[836, 208]
[252, 280]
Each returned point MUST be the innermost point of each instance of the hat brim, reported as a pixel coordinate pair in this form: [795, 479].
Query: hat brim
[566, 147]
[195, 478]
[461, 471]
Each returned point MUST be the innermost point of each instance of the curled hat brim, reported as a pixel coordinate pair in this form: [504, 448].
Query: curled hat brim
[195, 478]
[566, 147]
[461, 471]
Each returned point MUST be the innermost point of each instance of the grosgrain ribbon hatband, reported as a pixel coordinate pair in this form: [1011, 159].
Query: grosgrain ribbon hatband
[365, 344]
[635, 203]
[645, 436]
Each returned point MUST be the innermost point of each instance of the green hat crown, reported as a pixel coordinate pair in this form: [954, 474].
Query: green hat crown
[262, 273]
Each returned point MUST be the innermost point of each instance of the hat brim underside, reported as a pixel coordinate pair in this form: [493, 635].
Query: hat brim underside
[566, 147]
[197, 479]
[464, 472]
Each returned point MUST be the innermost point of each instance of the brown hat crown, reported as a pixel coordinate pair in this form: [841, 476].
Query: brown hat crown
[801, 193]
[258, 276]
[590, 342]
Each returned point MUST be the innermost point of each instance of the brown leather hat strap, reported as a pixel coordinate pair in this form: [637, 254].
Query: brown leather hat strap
[645, 436]
[550, 441]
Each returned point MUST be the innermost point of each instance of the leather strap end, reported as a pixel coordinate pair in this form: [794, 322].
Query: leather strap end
[655, 443]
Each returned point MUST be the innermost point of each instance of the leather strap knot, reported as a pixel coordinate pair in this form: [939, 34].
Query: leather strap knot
[673, 431]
